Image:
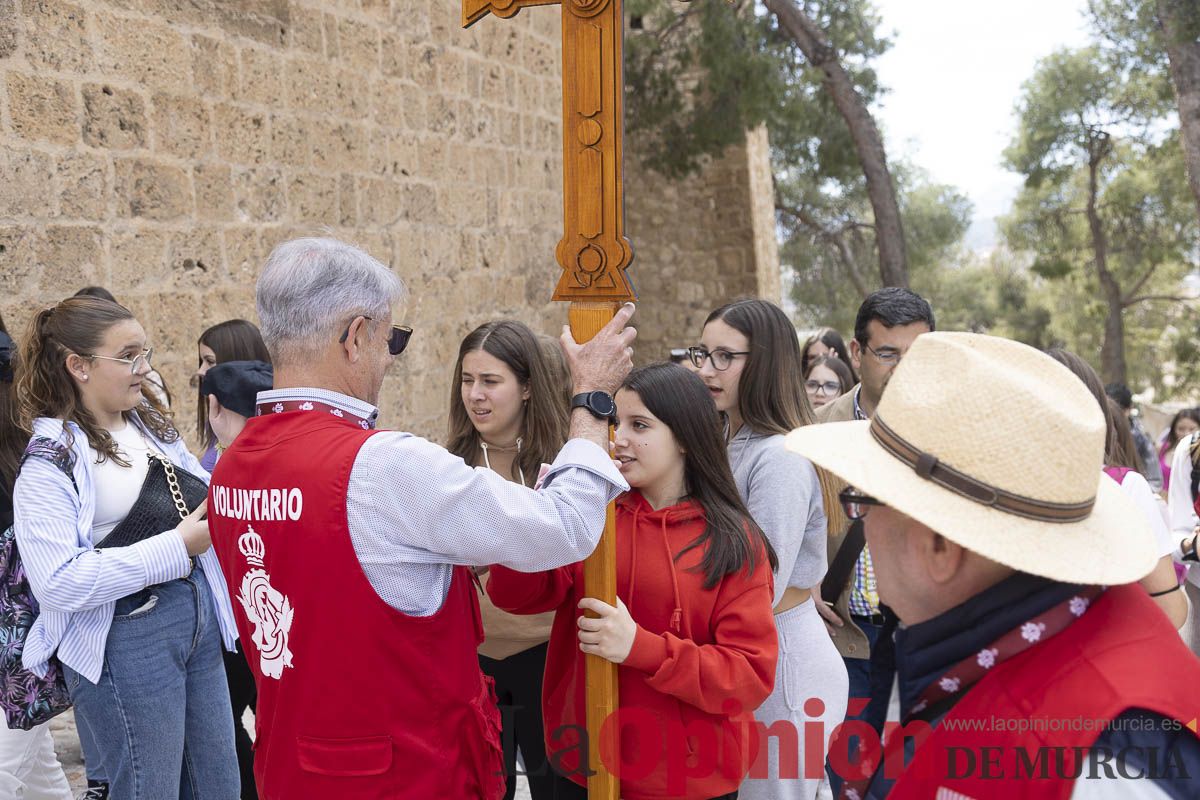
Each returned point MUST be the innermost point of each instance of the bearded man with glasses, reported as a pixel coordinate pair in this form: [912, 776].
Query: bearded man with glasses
[349, 549]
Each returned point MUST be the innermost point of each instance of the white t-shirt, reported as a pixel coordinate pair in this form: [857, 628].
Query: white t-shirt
[117, 487]
[1138, 490]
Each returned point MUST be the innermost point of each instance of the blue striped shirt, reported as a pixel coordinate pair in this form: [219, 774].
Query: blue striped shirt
[78, 585]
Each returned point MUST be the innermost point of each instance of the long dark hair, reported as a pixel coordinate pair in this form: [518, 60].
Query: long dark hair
[834, 341]
[680, 399]
[232, 340]
[547, 415]
[771, 396]
[46, 389]
[13, 437]
[1115, 445]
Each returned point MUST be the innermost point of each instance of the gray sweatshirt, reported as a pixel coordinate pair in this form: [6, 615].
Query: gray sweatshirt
[781, 490]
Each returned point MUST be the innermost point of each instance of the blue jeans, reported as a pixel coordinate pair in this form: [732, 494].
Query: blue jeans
[160, 716]
[865, 685]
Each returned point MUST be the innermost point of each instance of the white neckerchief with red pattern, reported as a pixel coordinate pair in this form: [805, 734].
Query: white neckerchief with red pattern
[284, 406]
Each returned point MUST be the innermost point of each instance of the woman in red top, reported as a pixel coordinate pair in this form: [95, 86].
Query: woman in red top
[692, 630]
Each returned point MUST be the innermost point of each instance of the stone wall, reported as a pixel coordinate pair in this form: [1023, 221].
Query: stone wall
[162, 147]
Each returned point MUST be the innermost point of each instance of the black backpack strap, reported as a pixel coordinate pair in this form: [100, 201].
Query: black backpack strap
[843, 563]
[55, 452]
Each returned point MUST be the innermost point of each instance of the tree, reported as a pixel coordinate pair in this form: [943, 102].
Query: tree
[1157, 39]
[1101, 200]
[699, 77]
[799, 23]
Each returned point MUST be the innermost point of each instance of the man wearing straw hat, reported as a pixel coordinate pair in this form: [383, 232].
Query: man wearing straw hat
[1027, 654]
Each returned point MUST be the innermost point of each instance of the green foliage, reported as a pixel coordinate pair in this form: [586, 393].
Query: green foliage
[1083, 113]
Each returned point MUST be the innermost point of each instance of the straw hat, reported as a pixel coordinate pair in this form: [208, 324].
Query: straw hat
[999, 448]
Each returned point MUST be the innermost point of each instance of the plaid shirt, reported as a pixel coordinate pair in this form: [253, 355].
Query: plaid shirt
[864, 598]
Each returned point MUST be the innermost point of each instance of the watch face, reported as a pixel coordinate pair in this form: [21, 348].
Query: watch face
[602, 403]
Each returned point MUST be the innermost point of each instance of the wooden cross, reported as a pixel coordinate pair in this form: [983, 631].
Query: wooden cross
[593, 254]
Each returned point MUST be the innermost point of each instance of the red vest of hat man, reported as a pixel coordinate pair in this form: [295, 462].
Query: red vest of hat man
[347, 549]
[1030, 663]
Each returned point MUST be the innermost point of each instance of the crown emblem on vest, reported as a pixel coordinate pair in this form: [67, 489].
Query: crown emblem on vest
[252, 547]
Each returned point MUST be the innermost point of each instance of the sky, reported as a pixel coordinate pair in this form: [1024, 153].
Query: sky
[954, 75]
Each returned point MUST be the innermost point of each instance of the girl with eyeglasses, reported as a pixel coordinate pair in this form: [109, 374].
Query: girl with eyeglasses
[749, 358]
[692, 628]
[138, 629]
[826, 379]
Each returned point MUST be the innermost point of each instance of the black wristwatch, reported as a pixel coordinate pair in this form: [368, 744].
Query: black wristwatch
[1190, 554]
[599, 403]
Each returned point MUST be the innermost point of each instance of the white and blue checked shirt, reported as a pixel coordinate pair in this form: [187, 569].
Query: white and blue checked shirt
[77, 585]
[414, 510]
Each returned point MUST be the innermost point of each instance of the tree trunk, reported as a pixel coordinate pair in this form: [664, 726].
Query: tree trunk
[1112, 351]
[1180, 20]
[868, 144]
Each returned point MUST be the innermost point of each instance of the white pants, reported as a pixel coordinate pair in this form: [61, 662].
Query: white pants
[809, 669]
[28, 767]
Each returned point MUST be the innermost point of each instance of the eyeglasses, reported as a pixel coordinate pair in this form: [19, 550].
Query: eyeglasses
[721, 359]
[827, 388]
[889, 358]
[397, 338]
[855, 503]
[135, 364]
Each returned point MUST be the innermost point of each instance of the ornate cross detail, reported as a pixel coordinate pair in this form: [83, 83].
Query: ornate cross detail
[593, 251]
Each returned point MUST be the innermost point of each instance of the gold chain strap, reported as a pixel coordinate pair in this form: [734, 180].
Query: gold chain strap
[173, 483]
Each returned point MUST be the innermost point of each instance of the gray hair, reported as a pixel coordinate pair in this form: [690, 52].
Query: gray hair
[311, 287]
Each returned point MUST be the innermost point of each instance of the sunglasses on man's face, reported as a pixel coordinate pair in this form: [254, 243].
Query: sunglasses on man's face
[397, 338]
[855, 503]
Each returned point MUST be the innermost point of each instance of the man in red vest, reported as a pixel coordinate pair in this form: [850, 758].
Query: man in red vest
[1030, 663]
[347, 550]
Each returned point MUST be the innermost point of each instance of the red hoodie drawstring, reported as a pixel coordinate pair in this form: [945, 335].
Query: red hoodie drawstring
[677, 614]
[633, 559]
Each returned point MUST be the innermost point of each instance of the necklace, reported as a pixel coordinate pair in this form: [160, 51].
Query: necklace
[517, 447]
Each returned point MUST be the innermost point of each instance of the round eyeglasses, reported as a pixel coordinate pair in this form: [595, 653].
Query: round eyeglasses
[828, 388]
[721, 359]
[136, 363]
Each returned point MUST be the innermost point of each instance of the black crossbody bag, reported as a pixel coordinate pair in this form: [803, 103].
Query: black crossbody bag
[169, 493]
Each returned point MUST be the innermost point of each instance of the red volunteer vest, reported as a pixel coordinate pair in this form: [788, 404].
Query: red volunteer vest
[355, 699]
[1122, 654]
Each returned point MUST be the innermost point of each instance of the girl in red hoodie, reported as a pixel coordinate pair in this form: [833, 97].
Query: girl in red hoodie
[693, 629]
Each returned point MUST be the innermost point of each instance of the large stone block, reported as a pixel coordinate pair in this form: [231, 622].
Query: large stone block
[137, 259]
[358, 45]
[152, 189]
[42, 108]
[261, 78]
[259, 194]
[56, 36]
[69, 257]
[307, 29]
[310, 85]
[113, 118]
[214, 65]
[83, 186]
[290, 145]
[245, 136]
[25, 175]
[196, 258]
[264, 21]
[340, 148]
[182, 125]
[8, 28]
[313, 199]
[18, 263]
[243, 254]
[214, 192]
[146, 52]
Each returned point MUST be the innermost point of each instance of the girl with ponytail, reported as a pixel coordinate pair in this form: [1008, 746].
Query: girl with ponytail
[137, 628]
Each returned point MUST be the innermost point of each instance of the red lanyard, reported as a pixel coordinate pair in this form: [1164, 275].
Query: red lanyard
[966, 673]
[283, 406]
